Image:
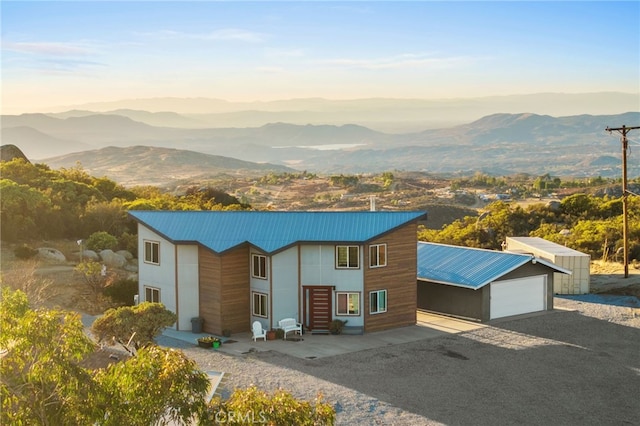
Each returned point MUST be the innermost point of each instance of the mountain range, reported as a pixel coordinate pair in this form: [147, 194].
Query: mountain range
[118, 144]
[382, 114]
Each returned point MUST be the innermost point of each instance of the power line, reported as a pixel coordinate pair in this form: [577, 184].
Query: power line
[625, 208]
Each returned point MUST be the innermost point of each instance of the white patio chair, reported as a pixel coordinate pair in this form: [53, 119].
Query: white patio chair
[258, 332]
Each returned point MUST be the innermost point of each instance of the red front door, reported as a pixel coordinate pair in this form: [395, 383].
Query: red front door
[317, 307]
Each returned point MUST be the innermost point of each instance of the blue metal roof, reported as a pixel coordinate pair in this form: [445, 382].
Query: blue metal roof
[466, 267]
[270, 231]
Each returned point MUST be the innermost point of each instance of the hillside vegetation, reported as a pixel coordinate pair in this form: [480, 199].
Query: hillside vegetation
[39, 203]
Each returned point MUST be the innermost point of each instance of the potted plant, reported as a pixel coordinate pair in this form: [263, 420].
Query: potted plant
[271, 335]
[279, 333]
[209, 342]
[336, 326]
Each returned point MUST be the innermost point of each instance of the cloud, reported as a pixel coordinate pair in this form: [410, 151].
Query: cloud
[47, 48]
[403, 61]
[58, 66]
[226, 34]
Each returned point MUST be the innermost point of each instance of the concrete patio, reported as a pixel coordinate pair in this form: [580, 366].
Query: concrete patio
[312, 346]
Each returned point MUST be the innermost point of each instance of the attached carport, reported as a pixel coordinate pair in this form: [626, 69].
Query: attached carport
[483, 284]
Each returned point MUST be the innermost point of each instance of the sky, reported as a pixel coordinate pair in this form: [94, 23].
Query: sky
[69, 53]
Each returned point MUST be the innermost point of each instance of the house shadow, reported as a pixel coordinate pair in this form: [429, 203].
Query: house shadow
[558, 368]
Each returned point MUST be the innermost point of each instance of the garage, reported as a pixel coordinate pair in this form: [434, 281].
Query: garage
[483, 285]
[519, 296]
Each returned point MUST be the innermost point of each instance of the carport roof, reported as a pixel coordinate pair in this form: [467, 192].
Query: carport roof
[272, 231]
[469, 267]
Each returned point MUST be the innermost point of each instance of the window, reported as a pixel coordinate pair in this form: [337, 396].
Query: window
[259, 268]
[347, 303]
[152, 252]
[260, 304]
[377, 255]
[152, 294]
[378, 302]
[347, 256]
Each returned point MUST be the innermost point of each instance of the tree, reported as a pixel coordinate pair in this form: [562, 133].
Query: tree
[133, 327]
[20, 208]
[101, 240]
[42, 382]
[155, 386]
[93, 276]
[104, 216]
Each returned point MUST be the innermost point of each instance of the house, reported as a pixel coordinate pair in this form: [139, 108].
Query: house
[233, 268]
[483, 284]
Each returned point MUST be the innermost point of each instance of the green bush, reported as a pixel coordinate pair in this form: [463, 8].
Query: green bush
[122, 291]
[24, 252]
[129, 242]
[251, 405]
[101, 240]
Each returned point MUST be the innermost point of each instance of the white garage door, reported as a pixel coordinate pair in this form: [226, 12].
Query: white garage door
[513, 297]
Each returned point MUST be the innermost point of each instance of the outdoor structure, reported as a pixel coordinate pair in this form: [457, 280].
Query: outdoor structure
[232, 268]
[483, 284]
[577, 262]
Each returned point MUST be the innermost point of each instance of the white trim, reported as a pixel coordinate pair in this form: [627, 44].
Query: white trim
[378, 292]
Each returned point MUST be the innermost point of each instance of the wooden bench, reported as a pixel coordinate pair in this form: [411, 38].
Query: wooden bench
[290, 324]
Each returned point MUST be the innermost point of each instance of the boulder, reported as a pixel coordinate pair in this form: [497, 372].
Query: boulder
[112, 259]
[126, 254]
[51, 255]
[86, 255]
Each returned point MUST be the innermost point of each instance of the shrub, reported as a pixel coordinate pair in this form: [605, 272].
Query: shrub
[122, 291]
[129, 242]
[25, 252]
[252, 405]
[101, 240]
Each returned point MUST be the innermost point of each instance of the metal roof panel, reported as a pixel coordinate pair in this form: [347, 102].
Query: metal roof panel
[464, 266]
[271, 231]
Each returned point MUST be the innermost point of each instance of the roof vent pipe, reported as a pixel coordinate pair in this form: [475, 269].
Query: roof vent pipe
[372, 203]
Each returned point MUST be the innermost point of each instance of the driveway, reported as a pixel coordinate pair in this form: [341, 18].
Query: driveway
[561, 368]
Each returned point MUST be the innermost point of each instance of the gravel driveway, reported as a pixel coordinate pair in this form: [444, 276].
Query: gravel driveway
[568, 367]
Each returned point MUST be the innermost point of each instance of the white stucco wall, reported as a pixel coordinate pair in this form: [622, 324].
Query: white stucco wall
[318, 268]
[261, 286]
[285, 285]
[188, 301]
[160, 276]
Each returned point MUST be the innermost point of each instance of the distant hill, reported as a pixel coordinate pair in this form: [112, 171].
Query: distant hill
[382, 114]
[10, 152]
[145, 165]
[36, 144]
[497, 144]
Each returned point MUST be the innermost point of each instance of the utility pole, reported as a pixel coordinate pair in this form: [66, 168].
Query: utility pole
[625, 209]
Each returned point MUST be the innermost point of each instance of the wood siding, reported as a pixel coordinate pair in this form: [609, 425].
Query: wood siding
[224, 291]
[236, 294]
[209, 286]
[398, 278]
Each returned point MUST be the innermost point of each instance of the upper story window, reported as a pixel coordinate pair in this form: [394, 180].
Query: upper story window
[377, 255]
[152, 252]
[348, 257]
[259, 266]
